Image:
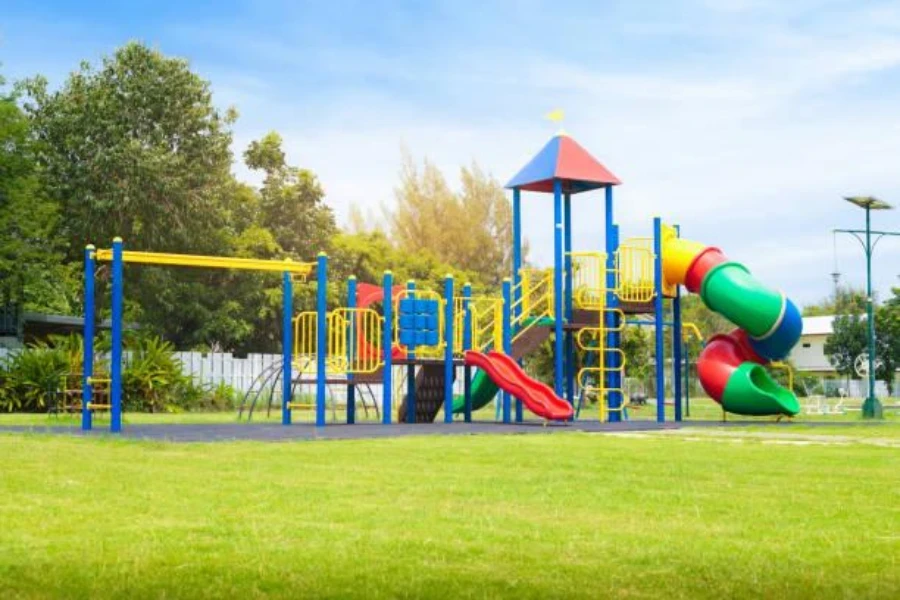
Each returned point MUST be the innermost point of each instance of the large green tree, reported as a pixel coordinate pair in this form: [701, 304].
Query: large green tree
[133, 147]
[846, 342]
[291, 201]
[887, 340]
[31, 269]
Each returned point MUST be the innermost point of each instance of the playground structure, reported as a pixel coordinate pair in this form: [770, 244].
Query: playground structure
[583, 302]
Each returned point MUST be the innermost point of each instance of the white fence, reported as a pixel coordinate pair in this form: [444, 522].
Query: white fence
[223, 368]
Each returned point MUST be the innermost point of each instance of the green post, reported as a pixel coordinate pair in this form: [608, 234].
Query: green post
[871, 408]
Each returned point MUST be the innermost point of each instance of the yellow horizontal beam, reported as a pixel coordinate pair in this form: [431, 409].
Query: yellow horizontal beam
[208, 262]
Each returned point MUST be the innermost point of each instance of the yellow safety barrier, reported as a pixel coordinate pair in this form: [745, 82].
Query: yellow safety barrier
[354, 338]
[305, 338]
[435, 351]
[589, 279]
[634, 270]
[535, 300]
[459, 324]
[487, 322]
[209, 262]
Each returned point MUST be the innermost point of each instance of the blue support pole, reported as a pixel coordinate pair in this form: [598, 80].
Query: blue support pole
[659, 319]
[287, 346]
[321, 335]
[115, 368]
[351, 350]
[611, 359]
[676, 348]
[570, 341]
[517, 270]
[507, 338]
[467, 345]
[387, 347]
[87, 372]
[411, 370]
[558, 314]
[517, 248]
[449, 306]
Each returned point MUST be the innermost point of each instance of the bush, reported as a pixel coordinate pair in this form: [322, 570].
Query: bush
[30, 379]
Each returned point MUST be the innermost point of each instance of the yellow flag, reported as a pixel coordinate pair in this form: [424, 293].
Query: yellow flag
[556, 115]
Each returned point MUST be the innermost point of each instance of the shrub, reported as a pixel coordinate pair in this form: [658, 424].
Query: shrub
[30, 379]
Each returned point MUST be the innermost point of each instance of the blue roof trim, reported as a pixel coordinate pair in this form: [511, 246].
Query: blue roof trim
[541, 167]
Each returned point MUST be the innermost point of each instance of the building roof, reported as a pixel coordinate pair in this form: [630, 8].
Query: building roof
[563, 159]
[818, 325]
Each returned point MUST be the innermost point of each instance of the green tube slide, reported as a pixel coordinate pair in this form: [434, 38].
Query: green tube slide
[731, 291]
[483, 392]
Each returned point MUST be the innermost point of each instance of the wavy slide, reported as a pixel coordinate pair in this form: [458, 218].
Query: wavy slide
[730, 367]
[538, 397]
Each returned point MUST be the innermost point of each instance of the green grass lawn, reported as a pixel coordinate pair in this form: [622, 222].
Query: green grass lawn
[537, 516]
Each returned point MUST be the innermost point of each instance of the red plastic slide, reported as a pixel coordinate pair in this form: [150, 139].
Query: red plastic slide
[538, 397]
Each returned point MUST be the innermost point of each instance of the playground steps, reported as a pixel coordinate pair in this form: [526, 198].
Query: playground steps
[529, 341]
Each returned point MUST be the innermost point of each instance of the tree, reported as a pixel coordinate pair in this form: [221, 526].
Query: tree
[291, 201]
[31, 269]
[846, 342]
[887, 340]
[471, 229]
[844, 300]
[133, 148]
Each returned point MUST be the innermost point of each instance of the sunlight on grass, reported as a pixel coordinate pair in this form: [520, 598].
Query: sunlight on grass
[565, 515]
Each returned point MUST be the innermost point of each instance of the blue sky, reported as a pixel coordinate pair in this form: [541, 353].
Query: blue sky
[743, 120]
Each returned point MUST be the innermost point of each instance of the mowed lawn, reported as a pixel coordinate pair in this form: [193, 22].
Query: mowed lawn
[565, 515]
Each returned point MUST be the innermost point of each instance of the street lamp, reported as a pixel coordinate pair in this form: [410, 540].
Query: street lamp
[871, 408]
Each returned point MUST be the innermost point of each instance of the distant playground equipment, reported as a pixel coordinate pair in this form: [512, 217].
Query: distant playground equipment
[584, 301]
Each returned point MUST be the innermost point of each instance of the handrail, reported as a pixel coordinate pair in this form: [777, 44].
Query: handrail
[634, 270]
[208, 262]
[691, 328]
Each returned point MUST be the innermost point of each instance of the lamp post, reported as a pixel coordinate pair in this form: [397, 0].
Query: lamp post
[871, 408]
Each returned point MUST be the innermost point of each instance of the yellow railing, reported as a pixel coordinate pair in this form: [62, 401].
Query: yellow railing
[459, 324]
[354, 337]
[784, 367]
[535, 302]
[589, 280]
[634, 270]
[435, 351]
[690, 329]
[487, 322]
[305, 339]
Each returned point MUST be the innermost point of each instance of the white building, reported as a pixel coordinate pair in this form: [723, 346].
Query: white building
[809, 353]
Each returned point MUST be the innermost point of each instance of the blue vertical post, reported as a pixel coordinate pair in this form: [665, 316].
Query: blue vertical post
[570, 342]
[507, 338]
[287, 346]
[517, 248]
[387, 347]
[351, 349]
[411, 369]
[517, 270]
[115, 368]
[449, 309]
[611, 358]
[321, 335]
[467, 345]
[558, 314]
[676, 348]
[659, 322]
[87, 371]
